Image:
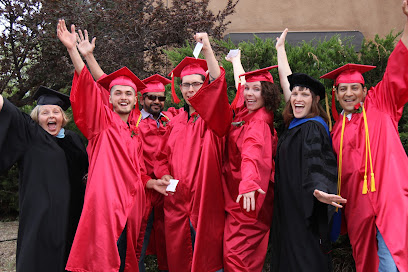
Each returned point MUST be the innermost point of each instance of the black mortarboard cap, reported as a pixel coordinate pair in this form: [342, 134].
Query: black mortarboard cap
[46, 96]
[299, 79]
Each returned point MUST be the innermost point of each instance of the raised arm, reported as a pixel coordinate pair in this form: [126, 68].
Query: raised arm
[404, 37]
[69, 39]
[212, 63]
[283, 65]
[86, 49]
[237, 67]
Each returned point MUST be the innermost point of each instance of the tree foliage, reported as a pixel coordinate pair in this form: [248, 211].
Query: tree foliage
[129, 33]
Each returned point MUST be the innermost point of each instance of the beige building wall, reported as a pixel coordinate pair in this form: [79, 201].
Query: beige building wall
[370, 17]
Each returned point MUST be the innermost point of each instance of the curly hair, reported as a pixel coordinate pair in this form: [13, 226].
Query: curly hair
[271, 95]
[315, 110]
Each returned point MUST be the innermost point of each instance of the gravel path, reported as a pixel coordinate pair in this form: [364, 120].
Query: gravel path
[8, 242]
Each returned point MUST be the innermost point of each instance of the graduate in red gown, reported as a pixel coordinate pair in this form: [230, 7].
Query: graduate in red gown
[117, 174]
[191, 152]
[248, 170]
[151, 127]
[372, 161]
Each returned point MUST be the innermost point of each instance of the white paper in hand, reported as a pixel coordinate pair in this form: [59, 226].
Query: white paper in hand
[233, 53]
[197, 49]
[172, 186]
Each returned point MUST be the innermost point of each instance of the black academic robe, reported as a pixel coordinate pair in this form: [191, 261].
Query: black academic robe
[49, 180]
[300, 225]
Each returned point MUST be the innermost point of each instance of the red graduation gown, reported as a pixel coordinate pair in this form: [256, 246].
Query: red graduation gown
[191, 152]
[151, 135]
[387, 207]
[115, 184]
[248, 166]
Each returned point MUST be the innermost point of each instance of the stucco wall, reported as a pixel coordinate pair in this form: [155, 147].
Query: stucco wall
[367, 16]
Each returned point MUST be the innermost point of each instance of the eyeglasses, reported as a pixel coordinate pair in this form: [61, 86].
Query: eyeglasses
[196, 85]
[154, 97]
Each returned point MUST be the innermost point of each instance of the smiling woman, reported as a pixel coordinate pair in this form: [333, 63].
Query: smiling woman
[305, 179]
[52, 163]
[50, 117]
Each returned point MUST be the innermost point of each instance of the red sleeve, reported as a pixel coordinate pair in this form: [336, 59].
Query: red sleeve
[171, 112]
[211, 103]
[257, 139]
[161, 167]
[391, 93]
[89, 110]
[104, 93]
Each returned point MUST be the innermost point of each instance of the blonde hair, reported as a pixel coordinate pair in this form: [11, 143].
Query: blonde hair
[36, 111]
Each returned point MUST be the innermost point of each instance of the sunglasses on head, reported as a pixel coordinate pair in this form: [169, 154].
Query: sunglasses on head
[154, 97]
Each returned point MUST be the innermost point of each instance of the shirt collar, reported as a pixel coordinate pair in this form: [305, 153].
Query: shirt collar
[146, 114]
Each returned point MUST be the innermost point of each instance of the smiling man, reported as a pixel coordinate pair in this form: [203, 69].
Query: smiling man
[114, 195]
[372, 161]
[191, 151]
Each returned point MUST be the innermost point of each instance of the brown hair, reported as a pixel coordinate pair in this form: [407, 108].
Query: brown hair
[36, 111]
[271, 95]
[315, 110]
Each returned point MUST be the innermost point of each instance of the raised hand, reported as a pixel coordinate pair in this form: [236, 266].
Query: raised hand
[330, 199]
[405, 7]
[69, 39]
[235, 58]
[203, 38]
[84, 46]
[280, 42]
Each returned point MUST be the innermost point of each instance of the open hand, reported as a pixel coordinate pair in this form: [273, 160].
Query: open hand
[84, 46]
[69, 39]
[248, 201]
[330, 199]
[280, 42]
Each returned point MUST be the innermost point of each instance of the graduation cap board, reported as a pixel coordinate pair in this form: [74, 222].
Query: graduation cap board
[299, 79]
[188, 66]
[259, 75]
[155, 83]
[124, 77]
[47, 96]
[349, 73]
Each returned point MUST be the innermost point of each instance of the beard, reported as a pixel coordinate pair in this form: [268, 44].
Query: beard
[152, 109]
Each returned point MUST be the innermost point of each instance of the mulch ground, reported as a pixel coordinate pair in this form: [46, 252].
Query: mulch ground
[8, 243]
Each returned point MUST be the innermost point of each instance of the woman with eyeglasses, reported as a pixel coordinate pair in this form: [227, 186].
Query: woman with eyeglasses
[248, 169]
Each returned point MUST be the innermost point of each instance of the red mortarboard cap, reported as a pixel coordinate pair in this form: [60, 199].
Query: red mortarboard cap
[188, 66]
[155, 83]
[259, 75]
[46, 96]
[349, 73]
[124, 77]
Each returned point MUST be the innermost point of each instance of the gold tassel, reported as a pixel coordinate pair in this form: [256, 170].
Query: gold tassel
[365, 187]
